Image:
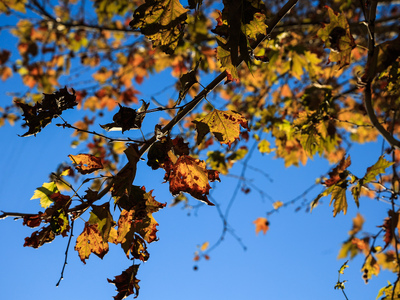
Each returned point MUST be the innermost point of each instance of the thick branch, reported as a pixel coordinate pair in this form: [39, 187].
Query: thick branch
[371, 70]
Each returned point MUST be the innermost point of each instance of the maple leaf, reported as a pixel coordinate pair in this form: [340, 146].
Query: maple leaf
[339, 199]
[262, 224]
[138, 224]
[101, 216]
[41, 114]
[90, 241]
[373, 171]
[161, 21]
[336, 36]
[370, 267]
[190, 175]
[86, 163]
[225, 126]
[126, 283]
[225, 60]
[256, 26]
[44, 192]
[127, 118]
[338, 172]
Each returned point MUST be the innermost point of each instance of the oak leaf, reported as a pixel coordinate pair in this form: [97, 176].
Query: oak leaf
[86, 163]
[190, 175]
[224, 125]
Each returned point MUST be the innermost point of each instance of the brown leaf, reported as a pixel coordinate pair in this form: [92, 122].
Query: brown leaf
[337, 171]
[86, 163]
[126, 283]
[40, 237]
[190, 175]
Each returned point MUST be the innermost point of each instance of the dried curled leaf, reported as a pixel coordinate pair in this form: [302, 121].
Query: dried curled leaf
[42, 113]
[86, 163]
[126, 283]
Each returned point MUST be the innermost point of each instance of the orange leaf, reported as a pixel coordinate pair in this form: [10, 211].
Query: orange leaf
[86, 163]
[191, 176]
[262, 224]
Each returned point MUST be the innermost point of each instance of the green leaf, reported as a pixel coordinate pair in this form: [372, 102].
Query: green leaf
[44, 192]
[225, 60]
[378, 168]
[256, 26]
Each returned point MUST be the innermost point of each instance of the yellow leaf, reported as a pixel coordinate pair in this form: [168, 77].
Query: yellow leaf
[225, 126]
[204, 246]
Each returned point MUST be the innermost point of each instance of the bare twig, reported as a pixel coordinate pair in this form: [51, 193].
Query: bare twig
[66, 253]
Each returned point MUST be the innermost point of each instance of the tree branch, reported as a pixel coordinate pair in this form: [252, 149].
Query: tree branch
[370, 71]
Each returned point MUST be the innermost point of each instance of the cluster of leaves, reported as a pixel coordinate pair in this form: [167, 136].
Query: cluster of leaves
[304, 102]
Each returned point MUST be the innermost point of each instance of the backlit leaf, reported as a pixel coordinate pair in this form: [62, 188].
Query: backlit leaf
[190, 175]
[86, 163]
[336, 36]
[90, 241]
[262, 224]
[161, 21]
[44, 192]
[224, 125]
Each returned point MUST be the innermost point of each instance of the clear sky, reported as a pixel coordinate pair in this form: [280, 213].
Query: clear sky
[296, 259]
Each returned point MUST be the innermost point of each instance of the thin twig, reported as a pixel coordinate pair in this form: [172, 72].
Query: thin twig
[66, 253]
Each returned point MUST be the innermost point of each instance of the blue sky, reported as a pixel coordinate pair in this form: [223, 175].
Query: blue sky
[296, 259]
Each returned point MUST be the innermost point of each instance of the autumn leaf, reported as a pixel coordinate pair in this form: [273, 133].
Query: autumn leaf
[256, 26]
[44, 193]
[378, 168]
[90, 241]
[262, 224]
[224, 125]
[40, 237]
[336, 36]
[190, 175]
[187, 81]
[370, 267]
[41, 114]
[101, 216]
[126, 283]
[339, 199]
[337, 173]
[86, 163]
[162, 22]
[127, 118]
[225, 60]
